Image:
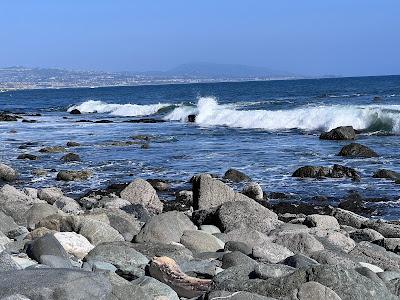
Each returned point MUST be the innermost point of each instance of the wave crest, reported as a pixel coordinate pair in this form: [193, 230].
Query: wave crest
[309, 118]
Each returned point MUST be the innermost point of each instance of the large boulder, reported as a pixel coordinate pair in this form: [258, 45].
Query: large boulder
[337, 171]
[248, 214]
[339, 133]
[54, 284]
[50, 195]
[376, 255]
[7, 223]
[386, 174]
[345, 217]
[46, 245]
[98, 232]
[388, 230]
[314, 291]
[209, 192]
[321, 221]
[199, 241]
[357, 150]
[74, 243]
[271, 252]
[7, 173]
[37, 212]
[299, 242]
[155, 288]
[141, 192]
[165, 228]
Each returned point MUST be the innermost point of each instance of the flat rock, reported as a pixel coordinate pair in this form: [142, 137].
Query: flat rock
[53, 149]
[365, 234]
[345, 217]
[141, 192]
[388, 230]
[50, 195]
[155, 288]
[236, 258]
[265, 271]
[74, 243]
[386, 174]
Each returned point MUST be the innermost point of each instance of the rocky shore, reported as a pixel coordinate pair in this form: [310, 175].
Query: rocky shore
[222, 239]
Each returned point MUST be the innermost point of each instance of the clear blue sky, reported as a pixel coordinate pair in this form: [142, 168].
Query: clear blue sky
[347, 37]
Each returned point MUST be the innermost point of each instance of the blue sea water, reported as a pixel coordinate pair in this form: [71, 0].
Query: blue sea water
[266, 129]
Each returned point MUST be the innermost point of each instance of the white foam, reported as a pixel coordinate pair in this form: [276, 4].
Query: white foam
[127, 110]
[323, 117]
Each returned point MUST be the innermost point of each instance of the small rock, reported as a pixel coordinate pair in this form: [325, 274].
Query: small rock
[357, 150]
[46, 245]
[75, 112]
[238, 246]
[73, 243]
[236, 176]
[271, 252]
[71, 157]
[158, 184]
[300, 261]
[299, 242]
[322, 221]
[53, 149]
[50, 195]
[339, 133]
[155, 288]
[27, 156]
[99, 232]
[73, 175]
[73, 144]
[265, 271]
[236, 258]
[254, 191]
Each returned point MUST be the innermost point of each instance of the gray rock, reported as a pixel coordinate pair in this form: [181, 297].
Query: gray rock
[46, 245]
[98, 266]
[334, 238]
[248, 214]
[155, 288]
[236, 176]
[265, 271]
[271, 252]
[322, 221]
[239, 295]
[314, 291]
[55, 261]
[73, 175]
[388, 230]
[365, 234]
[98, 232]
[200, 267]
[37, 212]
[52, 284]
[50, 195]
[345, 217]
[250, 237]
[198, 241]
[27, 156]
[141, 192]
[339, 133]
[236, 258]
[7, 263]
[299, 242]
[300, 261]
[165, 228]
[238, 246]
[390, 244]
[335, 258]
[68, 205]
[175, 251]
[369, 274]
[73, 144]
[70, 157]
[7, 223]
[253, 190]
[389, 275]
[7, 173]
[357, 150]
[376, 255]
[337, 171]
[52, 149]
[211, 229]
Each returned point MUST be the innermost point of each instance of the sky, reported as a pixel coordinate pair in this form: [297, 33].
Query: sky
[308, 37]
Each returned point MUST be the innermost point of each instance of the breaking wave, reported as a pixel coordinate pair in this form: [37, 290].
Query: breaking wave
[324, 117]
[125, 110]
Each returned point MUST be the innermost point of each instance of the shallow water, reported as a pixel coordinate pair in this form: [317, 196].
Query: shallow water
[266, 129]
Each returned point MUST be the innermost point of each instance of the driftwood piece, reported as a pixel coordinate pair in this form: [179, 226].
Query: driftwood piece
[166, 270]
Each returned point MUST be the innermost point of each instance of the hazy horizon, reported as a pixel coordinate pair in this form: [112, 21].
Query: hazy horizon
[310, 38]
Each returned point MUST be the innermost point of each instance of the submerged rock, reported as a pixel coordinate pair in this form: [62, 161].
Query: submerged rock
[52, 149]
[71, 157]
[337, 171]
[387, 174]
[339, 133]
[27, 156]
[73, 175]
[75, 112]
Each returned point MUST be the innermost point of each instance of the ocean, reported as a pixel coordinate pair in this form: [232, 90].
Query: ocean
[266, 129]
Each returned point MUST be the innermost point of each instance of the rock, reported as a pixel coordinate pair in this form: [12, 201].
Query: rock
[211, 229]
[238, 246]
[191, 118]
[37, 212]
[198, 241]
[301, 242]
[74, 243]
[357, 150]
[236, 258]
[300, 261]
[314, 291]
[7, 223]
[335, 238]
[155, 288]
[158, 184]
[46, 283]
[141, 192]
[387, 276]
[390, 244]
[73, 175]
[339, 133]
[388, 230]
[387, 174]
[98, 232]
[236, 176]
[7, 173]
[39, 172]
[175, 251]
[165, 228]
[371, 267]
[68, 205]
[271, 253]
[345, 217]
[184, 197]
[46, 245]
[366, 234]
[355, 202]
[122, 255]
[335, 258]
[52, 149]
[265, 271]
[7, 263]
[7, 118]
[209, 192]
[250, 237]
[69, 157]
[27, 156]
[240, 295]
[254, 191]
[75, 112]
[376, 255]
[248, 214]
[337, 171]
[322, 221]
[53, 261]
[38, 233]
[50, 195]
[168, 271]
[73, 144]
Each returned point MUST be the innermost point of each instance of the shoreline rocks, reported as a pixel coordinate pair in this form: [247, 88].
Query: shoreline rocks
[339, 133]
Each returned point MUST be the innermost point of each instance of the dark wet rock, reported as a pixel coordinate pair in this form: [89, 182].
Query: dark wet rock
[337, 171]
[175, 251]
[355, 202]
[236, 176]
[339, 133]
[7, 173]
[73, 175]
[300, 261]
[158, 184]
[7, 118]
[73, 144]
[357, 150]
[141, 192]
[238, 246]
[298, 208]
[247, 214]
[191, 118]
[29, 121]
[236, 258]
[145, 146]
[52, 149]
[46, 245]
[278, 195]
[103, 121]
[54, 284]
[145, 120]
[75, 112]
[165, 228]
[69, 157]
[27, 156]
[183, 201]
[376, 255]
[254, 191]
[39, 172]
[387, 174]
